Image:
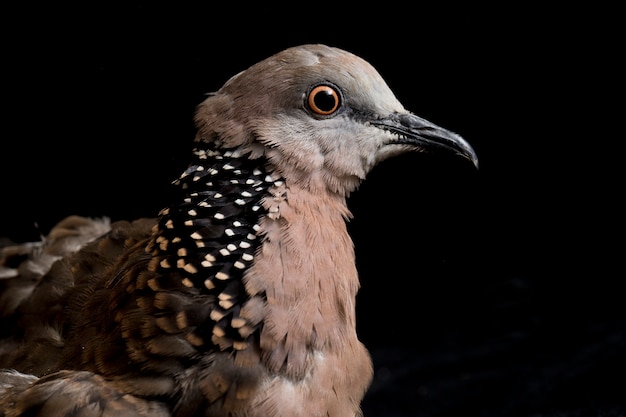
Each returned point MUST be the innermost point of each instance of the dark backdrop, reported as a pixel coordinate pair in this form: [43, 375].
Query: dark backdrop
[493, 292]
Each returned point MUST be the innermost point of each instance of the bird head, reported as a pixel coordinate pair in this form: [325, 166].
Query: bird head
[321, 116]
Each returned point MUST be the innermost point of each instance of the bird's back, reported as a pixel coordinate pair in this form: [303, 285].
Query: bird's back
[60, 274]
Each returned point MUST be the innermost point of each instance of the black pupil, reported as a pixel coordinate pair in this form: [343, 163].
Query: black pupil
[324, 100]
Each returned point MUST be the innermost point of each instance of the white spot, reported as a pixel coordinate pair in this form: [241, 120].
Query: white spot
[218, 216]
[268, 178]
[239, 265]
[234, 181]
[176, 239]
[257, 171]
[224, 252]
[249, 181]
[216, 315]
[182, 252]
[196, 235]
[209, 257]
[221, 276]
[246, 194]
[278, 183]
[218, 195]
[255, 208]
[250, 236]
[204, 204]
[213, 171]
[192, 212]
[231, 247]
[228, 166]
[206, 264]
[187, 282]
[238, 322]
[209, 284]
[200, 243]
[188, 223]
[247, 257]
[237, 345]
[218, 332]
[240, 202]
[245, 245]
[229, 232]
[190, 268]
[169, 224]
[227, 304]
[256, 227]
[165, 211]
[237, 172]
[199, 168]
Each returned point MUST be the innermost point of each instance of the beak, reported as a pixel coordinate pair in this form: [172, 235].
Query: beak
[414, 131]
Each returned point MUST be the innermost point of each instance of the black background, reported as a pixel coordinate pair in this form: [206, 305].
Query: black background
[494, 292]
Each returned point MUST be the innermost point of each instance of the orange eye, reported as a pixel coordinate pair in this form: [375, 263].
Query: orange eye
[323, 99]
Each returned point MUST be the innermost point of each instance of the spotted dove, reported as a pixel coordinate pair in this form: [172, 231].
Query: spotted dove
[239, 298]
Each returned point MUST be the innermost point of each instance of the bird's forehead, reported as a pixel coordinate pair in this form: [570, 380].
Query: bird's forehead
[293, 71]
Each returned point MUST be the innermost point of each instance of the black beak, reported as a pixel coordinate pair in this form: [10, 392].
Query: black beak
[414, 131]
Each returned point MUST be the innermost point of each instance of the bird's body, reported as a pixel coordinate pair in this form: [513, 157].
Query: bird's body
[239, 298]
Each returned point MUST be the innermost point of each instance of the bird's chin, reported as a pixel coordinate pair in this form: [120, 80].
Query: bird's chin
[395, 149]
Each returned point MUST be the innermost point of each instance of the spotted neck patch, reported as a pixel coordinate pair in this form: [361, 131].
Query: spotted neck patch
[209, 239]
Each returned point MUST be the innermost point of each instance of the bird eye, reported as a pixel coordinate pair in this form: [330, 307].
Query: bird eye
[323, 99]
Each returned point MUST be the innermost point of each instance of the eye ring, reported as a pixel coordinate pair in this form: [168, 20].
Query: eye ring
[323, 99]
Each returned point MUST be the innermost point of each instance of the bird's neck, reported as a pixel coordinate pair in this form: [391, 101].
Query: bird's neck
[210, 235]
[274, 263]
[305, 269]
